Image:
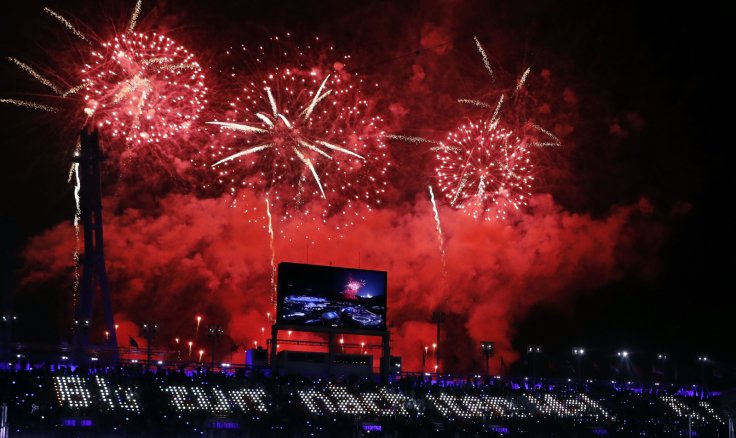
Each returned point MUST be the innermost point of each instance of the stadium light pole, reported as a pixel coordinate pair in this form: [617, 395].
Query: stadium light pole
[661, 357]
[148, 330]
[438, 318]
[534, 350]
[703, 360]
[214, 331]
[624, 355]
[487, 347]
[579, 352]
[7, 322]
[198, 318]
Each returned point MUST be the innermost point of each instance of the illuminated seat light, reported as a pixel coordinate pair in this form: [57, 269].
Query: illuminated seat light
[72, 392]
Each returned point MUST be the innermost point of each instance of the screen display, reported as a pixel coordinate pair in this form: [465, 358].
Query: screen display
[326, 296]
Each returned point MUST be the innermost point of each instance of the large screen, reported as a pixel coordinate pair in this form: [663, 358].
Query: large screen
[326, 296]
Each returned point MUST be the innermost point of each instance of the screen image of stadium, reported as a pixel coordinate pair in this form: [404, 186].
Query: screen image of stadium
[326, 296]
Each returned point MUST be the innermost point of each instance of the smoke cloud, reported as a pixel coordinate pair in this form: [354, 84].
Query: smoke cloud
[202, 256]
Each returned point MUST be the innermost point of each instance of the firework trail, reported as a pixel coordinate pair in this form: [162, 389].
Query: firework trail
[77, 216]
[547, 133]
[486, 61]
[31, 105]
[74, 173]
[68, 25]
[485, 172]
[522, 80]
[440, 237]
[42, 80]
[494, 118]
[474, 102]
[37, 76]
[300, 133]
[273, 255]
[483, 169]
[72, 91]
[134, 16]
[515, 105]
[409, 139]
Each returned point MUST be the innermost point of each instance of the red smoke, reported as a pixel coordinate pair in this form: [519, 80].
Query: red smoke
[202, 255]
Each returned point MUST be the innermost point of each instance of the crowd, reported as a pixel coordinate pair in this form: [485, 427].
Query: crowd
[134, 401]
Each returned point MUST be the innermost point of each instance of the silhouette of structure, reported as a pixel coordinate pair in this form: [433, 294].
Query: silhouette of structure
[94, 273]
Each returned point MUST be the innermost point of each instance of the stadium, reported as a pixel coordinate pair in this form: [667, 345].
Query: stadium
[377, 218]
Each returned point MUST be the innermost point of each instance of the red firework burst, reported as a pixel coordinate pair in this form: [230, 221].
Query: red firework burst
[484, 170]
[143, 87]
[302, 134]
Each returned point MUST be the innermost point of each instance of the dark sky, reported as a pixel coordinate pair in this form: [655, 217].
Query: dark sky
[652, 121]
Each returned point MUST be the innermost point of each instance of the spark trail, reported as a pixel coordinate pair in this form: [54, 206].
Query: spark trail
[514, 104]
[522, 80]
[134, 16]
[29, 104]
[494, 118]
[409, 139]
[486, 61]
[549, 134]
[474, 102]
[273, 254]
[440, 236]
[37, 76]
[68, 25]
[74, 173]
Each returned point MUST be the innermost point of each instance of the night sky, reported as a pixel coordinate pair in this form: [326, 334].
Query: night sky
[627, 243]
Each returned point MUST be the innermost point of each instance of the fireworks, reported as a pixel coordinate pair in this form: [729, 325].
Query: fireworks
[143, 87]
[352, 288]
[302, 134]
[510, 107]
[485, 171]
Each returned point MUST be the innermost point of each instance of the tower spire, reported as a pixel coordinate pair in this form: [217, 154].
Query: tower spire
[94, 273]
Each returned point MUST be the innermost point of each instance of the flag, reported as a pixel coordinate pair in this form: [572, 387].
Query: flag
[133, 343]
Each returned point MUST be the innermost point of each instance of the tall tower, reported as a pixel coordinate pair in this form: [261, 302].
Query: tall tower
[94, 273]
